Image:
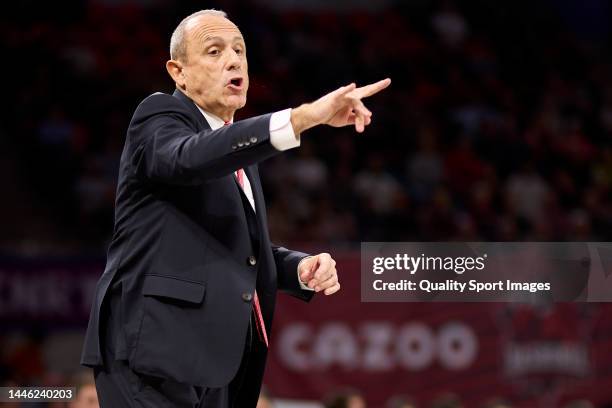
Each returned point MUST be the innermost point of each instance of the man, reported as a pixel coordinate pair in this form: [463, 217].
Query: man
[86, 396]
[346, 398]
[183, 311]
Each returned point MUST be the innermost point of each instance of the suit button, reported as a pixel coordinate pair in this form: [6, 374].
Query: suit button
[240, 144]
[253, 139]
[247, 297]
[246, 143]
[252, 260]
[234, 146]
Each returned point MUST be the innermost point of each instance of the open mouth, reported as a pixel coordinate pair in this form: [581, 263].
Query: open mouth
[236, 82]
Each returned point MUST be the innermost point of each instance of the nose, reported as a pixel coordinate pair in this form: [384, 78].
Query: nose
[234, 61]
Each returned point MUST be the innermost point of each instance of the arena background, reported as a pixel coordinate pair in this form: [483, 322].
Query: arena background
[498, 127]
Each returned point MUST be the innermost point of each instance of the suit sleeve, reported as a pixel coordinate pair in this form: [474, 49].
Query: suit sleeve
[286, 264]
[165, 147]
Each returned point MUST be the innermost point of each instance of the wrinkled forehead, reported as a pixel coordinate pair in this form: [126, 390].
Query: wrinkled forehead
[203, 28]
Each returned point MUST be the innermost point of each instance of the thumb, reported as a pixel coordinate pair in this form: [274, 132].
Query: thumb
[308, 268]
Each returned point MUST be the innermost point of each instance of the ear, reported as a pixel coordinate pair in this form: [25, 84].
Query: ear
[175, 69]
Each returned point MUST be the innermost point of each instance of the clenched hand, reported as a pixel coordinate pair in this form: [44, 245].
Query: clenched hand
[319, 273]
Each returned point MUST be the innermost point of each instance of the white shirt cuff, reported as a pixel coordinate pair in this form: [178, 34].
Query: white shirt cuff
[302, 285]
[282, 136]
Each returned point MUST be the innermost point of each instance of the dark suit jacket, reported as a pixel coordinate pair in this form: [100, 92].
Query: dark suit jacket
[188, 251]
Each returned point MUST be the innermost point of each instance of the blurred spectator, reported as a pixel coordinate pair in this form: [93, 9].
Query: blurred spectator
[400, 401]
[497, 403]
[86, 396]
[447, 400]
[463, 166]
[425, 168]
[56, 130]
[265, 400]
[308, 170]
[526, 194]
[378, 189]
[579, 404]
[449, 24]
[14, 404]
[345, 398]
[25, 361]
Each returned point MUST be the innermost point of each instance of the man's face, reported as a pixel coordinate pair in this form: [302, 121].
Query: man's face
[215, 69]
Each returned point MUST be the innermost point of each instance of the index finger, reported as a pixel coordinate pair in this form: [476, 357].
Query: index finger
[343, 90]
[369, 90]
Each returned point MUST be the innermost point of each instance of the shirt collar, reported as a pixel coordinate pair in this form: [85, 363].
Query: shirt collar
[214, 121]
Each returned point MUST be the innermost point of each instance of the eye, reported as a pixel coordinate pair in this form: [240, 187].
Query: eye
[213, 51]
[238, 51]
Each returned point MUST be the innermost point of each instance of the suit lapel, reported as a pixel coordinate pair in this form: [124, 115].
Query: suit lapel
[193, 108]
[260, 207]
[250, 171]
[205, 125]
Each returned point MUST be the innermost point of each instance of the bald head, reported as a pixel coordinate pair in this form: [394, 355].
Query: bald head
[209, 64]
[179, 39]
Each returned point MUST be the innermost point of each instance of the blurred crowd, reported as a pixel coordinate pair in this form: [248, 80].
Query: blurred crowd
[497, 126]
[352, 398]
[83, 385]
[24, 364]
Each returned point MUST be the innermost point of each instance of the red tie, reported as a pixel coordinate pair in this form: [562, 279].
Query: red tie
[259, 322]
